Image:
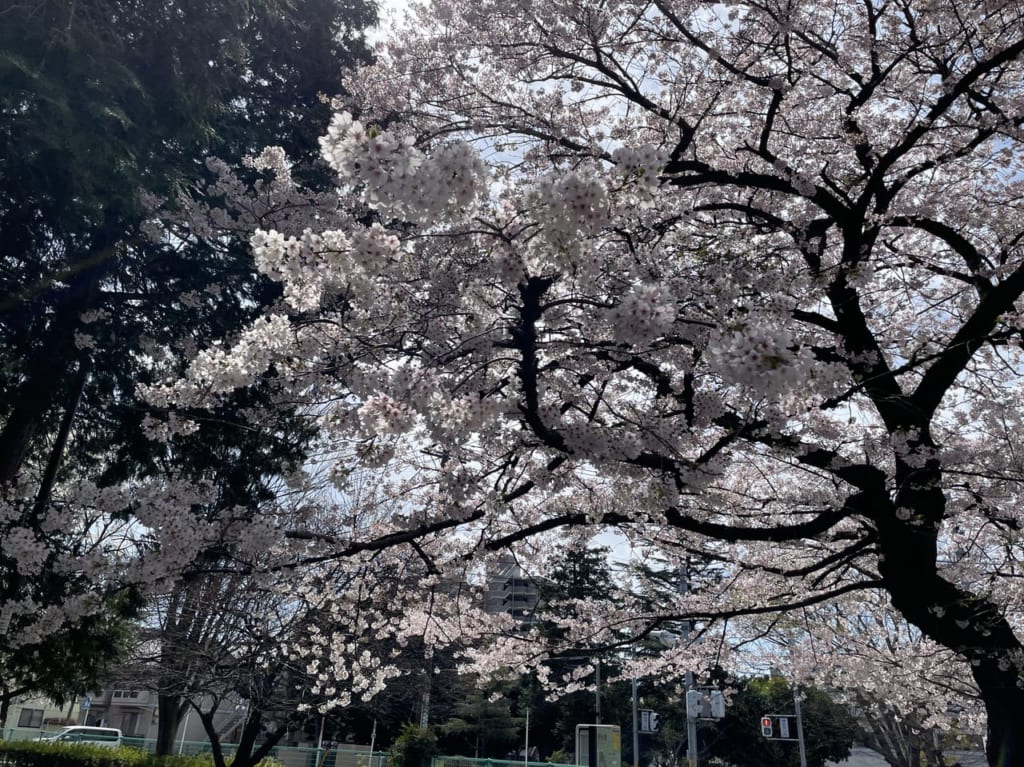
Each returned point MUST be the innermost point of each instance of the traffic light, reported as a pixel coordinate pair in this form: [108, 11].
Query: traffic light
[766, 726]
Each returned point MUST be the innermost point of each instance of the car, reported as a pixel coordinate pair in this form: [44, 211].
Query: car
[97, 736]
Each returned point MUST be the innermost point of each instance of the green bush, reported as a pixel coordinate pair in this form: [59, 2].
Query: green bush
[561, 757]
[415, 746]
[36, 754]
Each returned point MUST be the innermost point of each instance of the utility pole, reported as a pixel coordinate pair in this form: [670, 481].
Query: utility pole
[526, 743]
[636, 729]
[691, 723]
[799, 727]
[597, 693]
[691, 726]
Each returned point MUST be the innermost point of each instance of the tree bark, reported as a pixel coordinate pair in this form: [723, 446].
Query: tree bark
[5, 707]
[1004, 704]
[46, 371]
[60, 443]
[171, 710]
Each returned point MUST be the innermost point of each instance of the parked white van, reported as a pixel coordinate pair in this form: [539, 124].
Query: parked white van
[97, 736]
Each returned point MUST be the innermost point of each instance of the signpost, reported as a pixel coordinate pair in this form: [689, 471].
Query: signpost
[598, 745]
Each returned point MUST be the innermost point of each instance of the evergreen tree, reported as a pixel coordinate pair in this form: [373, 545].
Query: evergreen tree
[828, 727]
[106, 105]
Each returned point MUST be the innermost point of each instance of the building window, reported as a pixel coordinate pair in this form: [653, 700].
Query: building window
[31, 717]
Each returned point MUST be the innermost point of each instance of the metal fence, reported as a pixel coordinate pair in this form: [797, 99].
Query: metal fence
[289, 756]
[465, 761]
[25, 733]
[296, 756]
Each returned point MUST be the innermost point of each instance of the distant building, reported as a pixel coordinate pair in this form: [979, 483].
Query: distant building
[511, 591]
[31, 716]
[134, 712]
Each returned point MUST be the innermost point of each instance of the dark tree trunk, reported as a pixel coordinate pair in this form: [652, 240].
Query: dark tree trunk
[966, 622]
[61, 440]
[7, 696]
[5, 707]
[171, 710]
[46, 372]
[1004, 704]
[218, 754]
[248, 753]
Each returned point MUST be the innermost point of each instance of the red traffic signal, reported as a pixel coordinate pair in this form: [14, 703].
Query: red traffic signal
[766, 726]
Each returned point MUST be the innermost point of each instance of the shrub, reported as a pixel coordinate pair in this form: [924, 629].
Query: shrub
[415, 746]
[35, 754]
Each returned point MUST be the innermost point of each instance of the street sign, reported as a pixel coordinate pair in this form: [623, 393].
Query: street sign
[86, 702]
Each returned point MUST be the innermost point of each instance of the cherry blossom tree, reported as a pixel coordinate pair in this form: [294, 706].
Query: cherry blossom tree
[740, 281]
[910, 693]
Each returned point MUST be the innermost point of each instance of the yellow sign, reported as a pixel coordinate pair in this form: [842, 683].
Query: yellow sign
[598, 745]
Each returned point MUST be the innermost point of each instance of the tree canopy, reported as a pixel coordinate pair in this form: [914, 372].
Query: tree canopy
[741, 281]
[108, 109]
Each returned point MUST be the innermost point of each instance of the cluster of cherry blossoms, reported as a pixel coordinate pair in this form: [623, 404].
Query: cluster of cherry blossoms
[765, 359]
[642, 165]
[398, 179]
[643, 314]
[569, 207]
[217, 370]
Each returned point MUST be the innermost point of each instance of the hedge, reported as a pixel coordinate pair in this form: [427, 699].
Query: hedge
[36, 754]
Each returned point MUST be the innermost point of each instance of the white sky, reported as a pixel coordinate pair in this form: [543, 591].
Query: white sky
[390, 13]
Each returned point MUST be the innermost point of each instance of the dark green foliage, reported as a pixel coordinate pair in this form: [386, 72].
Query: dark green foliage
[70, 661]
[75, 659]
[482, 722]
[101, 100]
[829, 728]
[490, 720]
[36, 754]
[583, 573]
[415, 746]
